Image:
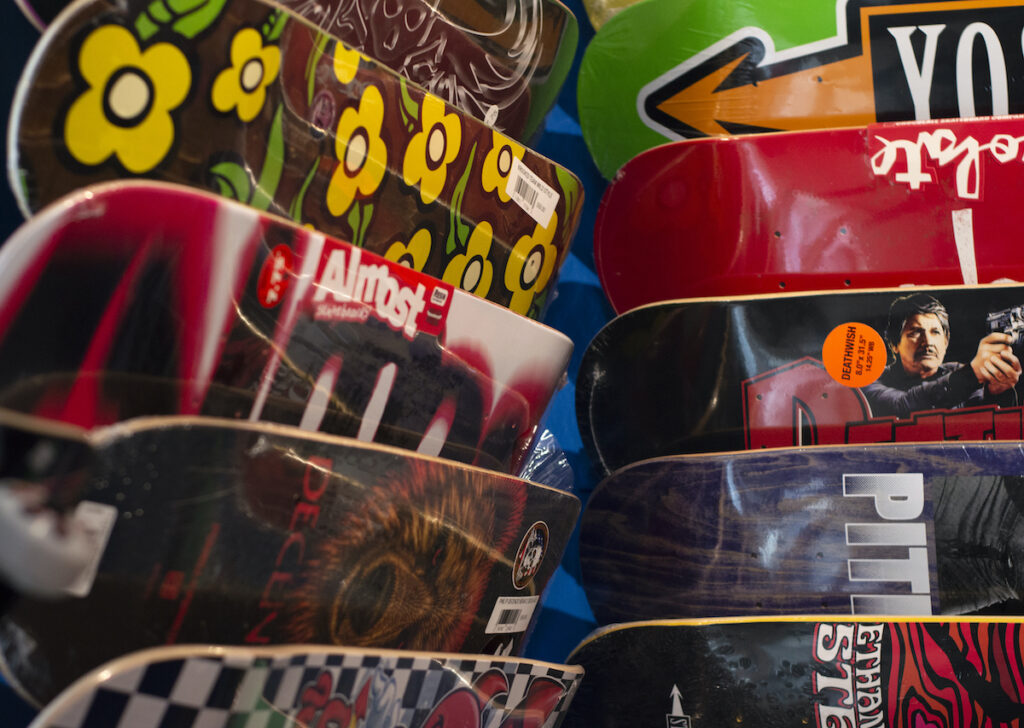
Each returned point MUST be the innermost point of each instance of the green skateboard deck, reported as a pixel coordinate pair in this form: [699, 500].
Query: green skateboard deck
[665, 70]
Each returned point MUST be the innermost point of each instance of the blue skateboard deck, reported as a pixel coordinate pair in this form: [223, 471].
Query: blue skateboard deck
[881, 529]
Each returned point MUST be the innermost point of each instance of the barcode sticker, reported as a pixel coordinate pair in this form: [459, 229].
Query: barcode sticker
[511, 614]
[531, 193]
[97, 520]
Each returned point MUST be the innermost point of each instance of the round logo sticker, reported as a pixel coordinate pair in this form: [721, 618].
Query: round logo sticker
[854, 354]
[275, 276]
[530, 555]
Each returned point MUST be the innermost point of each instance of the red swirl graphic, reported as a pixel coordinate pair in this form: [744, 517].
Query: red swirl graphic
[956, 675]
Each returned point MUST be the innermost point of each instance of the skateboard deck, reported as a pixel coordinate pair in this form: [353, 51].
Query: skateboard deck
[40, 12]
[717, 375]
[782, 673]
[251, 101]
[907, 203]
[710, 69]
[599, 11]
[933, 528]
[506, 71]
[261, 534]
[223, 687]
[188, 303]
[504, 63]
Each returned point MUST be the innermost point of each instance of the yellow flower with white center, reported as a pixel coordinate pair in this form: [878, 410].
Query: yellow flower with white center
[126, 110]
[432, 149]
[243, 85]
[362, 154]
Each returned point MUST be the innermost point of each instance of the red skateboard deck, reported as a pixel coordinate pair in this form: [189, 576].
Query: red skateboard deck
[211, 530]
[864, 207]
[235, 687]
[781, 673]
[144, 298]
[249, 100]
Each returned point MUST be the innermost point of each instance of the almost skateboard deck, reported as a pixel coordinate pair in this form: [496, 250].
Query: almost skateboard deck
[710, 69]
[878, 529]
[782, 673]
[259, 534]
[183, 302]
[251, 101]
[908, 203]
[717, 374]
[502, 63]
[221, 687]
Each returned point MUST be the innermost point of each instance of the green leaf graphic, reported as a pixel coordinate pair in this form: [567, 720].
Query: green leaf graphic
[409, 108]
[319, 51]
[187, 18]
[295, 209]
[232, 180]
[273, 26]
[273, 165]
[359, 220]
[570, 188]
[353, 220]
[459, 231]
[539, 302]
[367, 216]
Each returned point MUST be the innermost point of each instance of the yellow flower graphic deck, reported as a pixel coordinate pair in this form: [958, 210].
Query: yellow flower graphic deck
[248, 100]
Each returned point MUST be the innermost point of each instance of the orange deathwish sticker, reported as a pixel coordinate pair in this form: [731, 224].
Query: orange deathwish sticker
[854, 354]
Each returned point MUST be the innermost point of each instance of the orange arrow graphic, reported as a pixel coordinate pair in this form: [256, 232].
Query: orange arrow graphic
[834, 94]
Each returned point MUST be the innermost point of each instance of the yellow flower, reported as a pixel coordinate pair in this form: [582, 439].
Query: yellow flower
[472, 271]
[415, 254]
[362, 154]
[126, 111]
[530, 265]
[432, 149]
[498, 164]
[346, 62]
[244, 84]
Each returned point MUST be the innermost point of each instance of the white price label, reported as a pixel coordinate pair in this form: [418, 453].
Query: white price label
[511, 614]
[531, 193]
